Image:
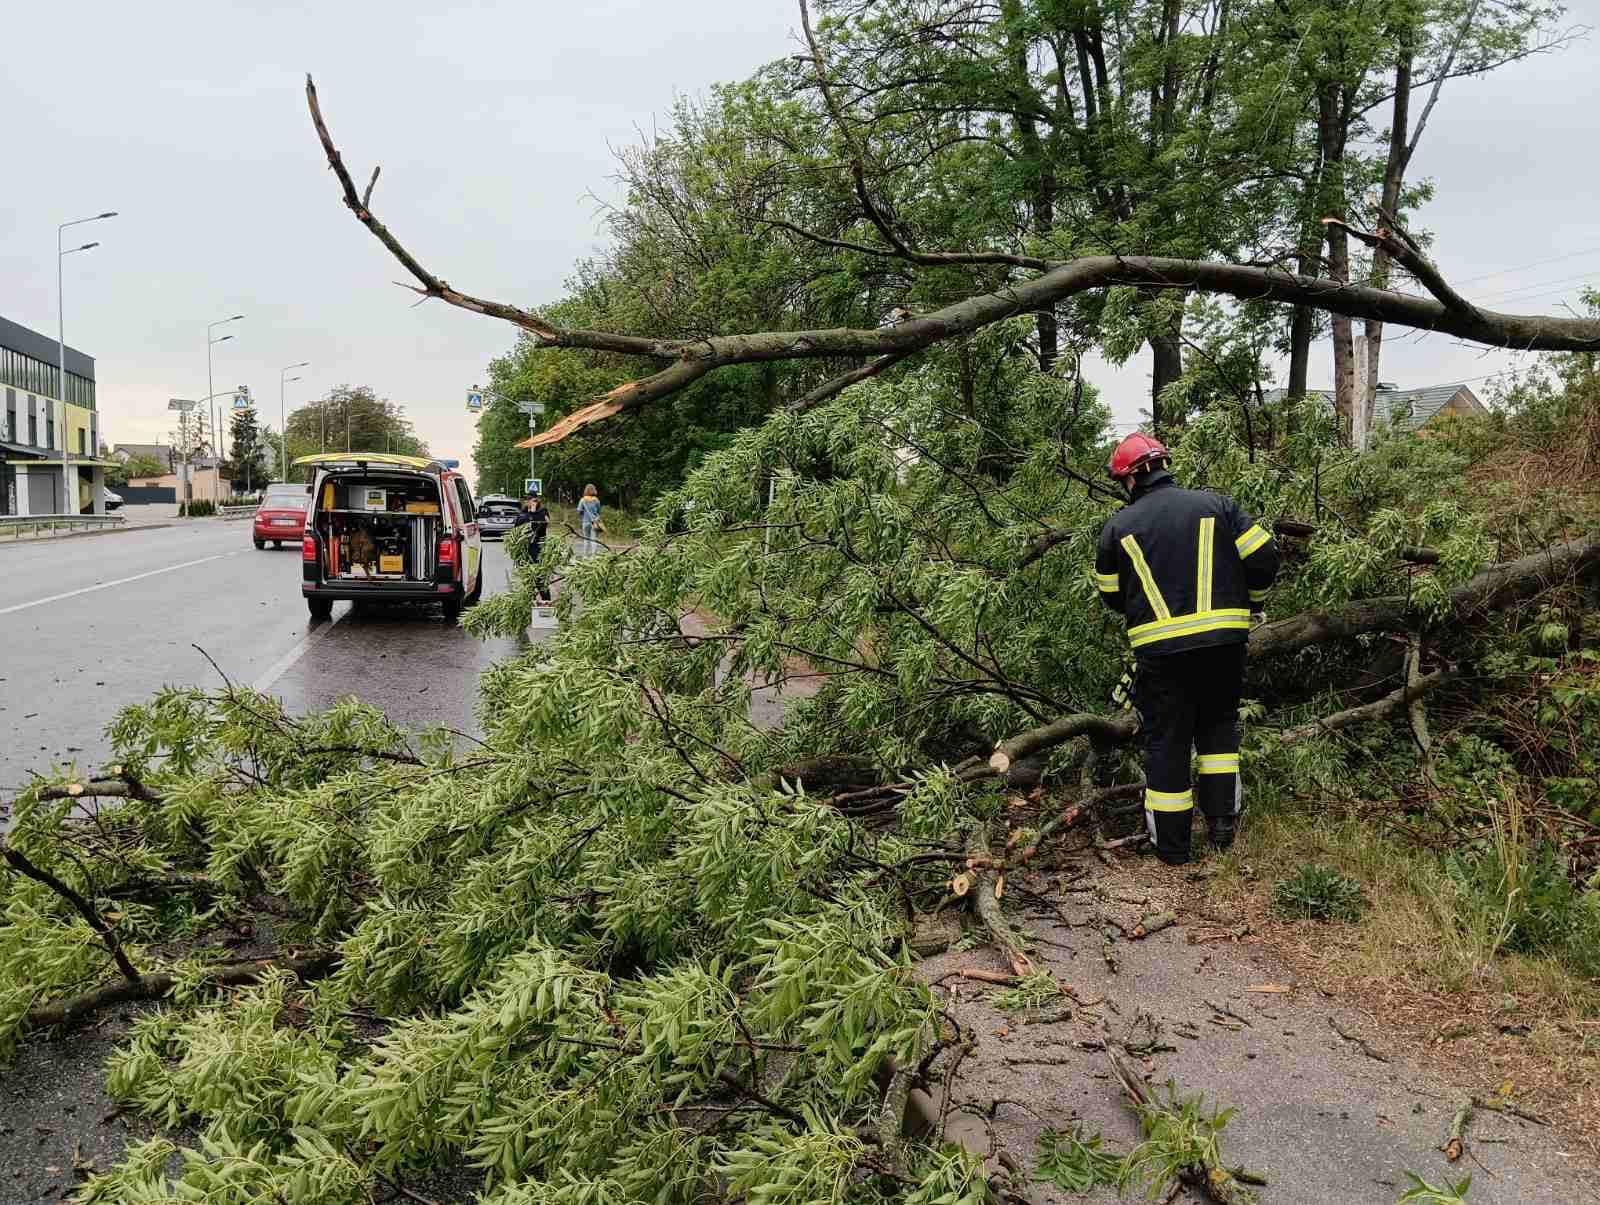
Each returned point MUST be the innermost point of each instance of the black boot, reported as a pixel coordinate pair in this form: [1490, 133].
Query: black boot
[1221, 830]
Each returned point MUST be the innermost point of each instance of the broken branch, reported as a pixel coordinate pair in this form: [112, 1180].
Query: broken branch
[155, 986]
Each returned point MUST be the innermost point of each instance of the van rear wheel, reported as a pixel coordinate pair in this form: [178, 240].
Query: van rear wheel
[320, 608]
[451, 608]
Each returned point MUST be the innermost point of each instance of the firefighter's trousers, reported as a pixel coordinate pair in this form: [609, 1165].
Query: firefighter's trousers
[1190, 700]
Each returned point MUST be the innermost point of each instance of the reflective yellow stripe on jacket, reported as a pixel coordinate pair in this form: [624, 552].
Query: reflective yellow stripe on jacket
[1152, 592]
[1108, 582]
[1252, 540]
[1190, 625]
[1204, 558]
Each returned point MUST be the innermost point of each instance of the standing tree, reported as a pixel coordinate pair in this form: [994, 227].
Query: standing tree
[247, 461]
[354, 419]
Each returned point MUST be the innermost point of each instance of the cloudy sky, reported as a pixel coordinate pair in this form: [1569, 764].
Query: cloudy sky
[494, 123]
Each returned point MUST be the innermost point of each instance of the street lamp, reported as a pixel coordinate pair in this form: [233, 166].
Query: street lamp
[210, 385]
[283, 422]
[61, 348]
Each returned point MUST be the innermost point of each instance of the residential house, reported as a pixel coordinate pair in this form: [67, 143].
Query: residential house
[160, 453]
[1407, 409]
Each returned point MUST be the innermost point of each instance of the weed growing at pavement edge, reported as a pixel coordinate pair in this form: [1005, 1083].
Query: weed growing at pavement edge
[1317, 892]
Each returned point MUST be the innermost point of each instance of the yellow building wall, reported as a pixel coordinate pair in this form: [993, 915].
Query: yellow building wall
[78, 420]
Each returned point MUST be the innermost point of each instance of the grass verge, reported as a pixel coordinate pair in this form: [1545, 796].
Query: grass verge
[1426, 962]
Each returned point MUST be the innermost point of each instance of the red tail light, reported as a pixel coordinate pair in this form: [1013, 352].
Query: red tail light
[308, 549]
[447, 551]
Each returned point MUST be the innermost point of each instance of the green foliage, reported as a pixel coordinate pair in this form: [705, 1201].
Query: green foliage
[1316, 892]
[353, 417]
[248, 452]
[1032, 992]
[1422, 1192]
[197, 508]
[1525, 896]
[1179, 1136]
[1077, 1164]
[138, 466]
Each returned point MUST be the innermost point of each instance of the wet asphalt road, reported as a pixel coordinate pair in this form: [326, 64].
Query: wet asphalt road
[91, 624]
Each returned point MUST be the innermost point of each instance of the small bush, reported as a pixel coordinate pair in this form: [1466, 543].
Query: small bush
[1316, 892]
[200, 508]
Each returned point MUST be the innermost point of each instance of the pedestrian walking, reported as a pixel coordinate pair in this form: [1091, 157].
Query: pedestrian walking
[536, 517]
[589, 519]
[1187, 570]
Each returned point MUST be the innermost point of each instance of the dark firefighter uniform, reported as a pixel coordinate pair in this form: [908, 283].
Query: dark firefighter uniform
[1185, 568]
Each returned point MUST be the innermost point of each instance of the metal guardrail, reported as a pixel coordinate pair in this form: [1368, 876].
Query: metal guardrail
[237, 512]
[17, 526]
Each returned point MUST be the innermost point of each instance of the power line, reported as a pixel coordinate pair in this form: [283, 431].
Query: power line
[1538, 263]
[1586, 277]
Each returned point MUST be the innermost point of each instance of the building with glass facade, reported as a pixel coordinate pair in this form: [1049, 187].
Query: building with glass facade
[49, 430]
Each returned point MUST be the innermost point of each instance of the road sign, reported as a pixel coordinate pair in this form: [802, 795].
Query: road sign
[241, 401]
[181, 403]
[531, 407]
[532, 485]
[474, 398]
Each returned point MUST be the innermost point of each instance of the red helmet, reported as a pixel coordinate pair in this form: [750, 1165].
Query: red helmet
[1134, 453]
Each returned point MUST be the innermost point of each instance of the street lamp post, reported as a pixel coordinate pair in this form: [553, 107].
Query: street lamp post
[283, 422]
[211, 387]
[61, 349]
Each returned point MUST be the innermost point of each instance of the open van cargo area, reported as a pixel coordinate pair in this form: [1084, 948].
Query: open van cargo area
[379, 529]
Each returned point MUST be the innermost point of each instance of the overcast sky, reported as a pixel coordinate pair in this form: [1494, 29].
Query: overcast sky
[494, 122]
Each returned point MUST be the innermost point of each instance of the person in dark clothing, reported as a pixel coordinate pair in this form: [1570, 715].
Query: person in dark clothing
[535, 515]
[1187, 570]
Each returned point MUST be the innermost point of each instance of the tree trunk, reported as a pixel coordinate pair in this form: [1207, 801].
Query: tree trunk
[1394, 171]
[1331, 132]
[1166, 367]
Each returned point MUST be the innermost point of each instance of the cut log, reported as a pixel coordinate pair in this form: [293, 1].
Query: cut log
[988, 906]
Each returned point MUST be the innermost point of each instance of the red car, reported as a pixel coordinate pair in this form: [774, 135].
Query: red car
[281, 517]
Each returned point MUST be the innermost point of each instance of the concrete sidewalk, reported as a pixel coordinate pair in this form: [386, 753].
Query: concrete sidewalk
[144, 517]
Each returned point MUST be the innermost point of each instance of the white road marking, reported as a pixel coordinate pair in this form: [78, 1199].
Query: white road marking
[121, 581]
[282, 665]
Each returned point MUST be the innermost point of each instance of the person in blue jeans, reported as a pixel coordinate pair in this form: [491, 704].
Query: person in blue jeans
[589, 519]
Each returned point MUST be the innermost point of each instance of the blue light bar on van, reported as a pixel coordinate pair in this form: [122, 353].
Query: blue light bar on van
[450, 464]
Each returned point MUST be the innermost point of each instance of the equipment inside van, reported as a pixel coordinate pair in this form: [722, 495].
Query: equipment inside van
[389, 528]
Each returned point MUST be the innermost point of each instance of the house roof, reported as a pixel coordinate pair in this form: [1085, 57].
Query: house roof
[1407, 409]
[152, 451]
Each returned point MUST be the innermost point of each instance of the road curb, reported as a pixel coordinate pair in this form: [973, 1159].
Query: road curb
[78, 535]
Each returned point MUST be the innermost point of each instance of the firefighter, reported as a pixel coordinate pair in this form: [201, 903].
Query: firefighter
[1187, 570]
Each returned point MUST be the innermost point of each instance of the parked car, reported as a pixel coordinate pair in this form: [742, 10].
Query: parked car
[497, 514]
[281, 514]
[389, 528]
[112, 501]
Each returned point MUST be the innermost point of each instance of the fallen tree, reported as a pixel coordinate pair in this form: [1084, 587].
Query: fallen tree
[612, 952]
